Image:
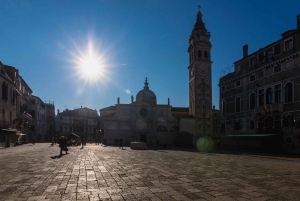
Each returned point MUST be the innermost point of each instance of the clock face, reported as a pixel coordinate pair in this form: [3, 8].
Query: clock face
[202, 71]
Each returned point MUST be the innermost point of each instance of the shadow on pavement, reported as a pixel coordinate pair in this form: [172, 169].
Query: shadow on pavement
[55, 157]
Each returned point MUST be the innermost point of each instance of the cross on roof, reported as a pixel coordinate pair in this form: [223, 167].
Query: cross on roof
[199, 7]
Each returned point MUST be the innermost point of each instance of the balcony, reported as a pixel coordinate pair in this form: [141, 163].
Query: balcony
[269, 108]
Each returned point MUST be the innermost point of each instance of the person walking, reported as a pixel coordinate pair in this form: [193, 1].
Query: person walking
[52, 141]
[33, 140]
[63, 144]
[121, 143]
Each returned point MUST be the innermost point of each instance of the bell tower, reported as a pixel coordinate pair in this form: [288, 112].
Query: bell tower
[200, 80]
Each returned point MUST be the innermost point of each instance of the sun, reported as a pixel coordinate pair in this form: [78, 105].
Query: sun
[89, 67]
[89, 63]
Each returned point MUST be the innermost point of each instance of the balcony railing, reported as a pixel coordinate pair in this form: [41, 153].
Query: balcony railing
[265, 109]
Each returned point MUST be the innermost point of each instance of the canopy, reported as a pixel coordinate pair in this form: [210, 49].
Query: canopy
[75, 135]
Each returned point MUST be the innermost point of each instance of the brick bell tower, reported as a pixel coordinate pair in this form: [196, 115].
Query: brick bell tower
[200, 80]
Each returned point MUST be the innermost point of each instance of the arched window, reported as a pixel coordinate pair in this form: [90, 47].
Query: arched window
[223, 107]
[205, 54]
[288, 92]
[251, 124]
[161, 128]
[252, 101]
[238, 104]
[269, 96]
[199, 53]
[288, 121]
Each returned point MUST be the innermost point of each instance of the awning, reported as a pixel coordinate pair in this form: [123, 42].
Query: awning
[246, 136]
[75, 135]
[20, 134]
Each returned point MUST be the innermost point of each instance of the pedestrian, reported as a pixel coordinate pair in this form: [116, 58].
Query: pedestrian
[121, 143]
[63, 144]
[219, 148]
[33, 140]
[52, 141]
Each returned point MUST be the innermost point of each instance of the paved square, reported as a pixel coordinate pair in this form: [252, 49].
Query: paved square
[34, 172]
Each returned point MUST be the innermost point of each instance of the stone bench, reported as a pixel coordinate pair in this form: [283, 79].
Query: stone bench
[138, 145]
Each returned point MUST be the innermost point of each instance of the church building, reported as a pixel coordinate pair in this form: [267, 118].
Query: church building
[143, 120]
[146, 121]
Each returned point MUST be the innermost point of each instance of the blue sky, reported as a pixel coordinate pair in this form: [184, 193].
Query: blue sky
[50, 42]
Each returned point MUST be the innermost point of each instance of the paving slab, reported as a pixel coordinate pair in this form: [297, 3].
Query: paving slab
[37, 172]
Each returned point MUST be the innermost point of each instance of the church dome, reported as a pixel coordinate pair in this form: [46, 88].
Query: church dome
[146, 94]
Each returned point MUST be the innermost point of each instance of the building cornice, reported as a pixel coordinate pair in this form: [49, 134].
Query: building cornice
[268, 65]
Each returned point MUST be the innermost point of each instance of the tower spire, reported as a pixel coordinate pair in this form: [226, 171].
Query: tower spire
[146, 84]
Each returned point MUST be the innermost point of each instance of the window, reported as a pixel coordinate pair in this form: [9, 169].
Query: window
[13, 95]
[5, 91]
[251, 124]
[199, 53]
[238, 83]
[237, 125]
[223, 88]
[288, 140]
[269, 97]
[260, 74]
[288, 93]
[277, 49]
[277, 68]
[222, 128]
[252, 61]
[288, 44]
[205, 54]
[223, 107]
[238, 104]
[252, 101]
[252, 78]
[261, 96]
[277, 93]
[238, 67]
[289, 64]
[269, 55]
[260, 57]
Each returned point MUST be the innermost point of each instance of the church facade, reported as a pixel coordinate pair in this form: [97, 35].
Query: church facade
[143, 120]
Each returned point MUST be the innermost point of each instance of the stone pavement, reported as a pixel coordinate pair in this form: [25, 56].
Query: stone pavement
[34, 172]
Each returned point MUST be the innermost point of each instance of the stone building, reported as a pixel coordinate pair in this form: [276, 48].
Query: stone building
[13, 112]
[50, 120]
[38, 112]
[259, 101]
[82, 122]
[143, 120]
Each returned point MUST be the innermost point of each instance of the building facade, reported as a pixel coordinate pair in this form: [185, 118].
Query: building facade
[260, 98]
[143, 120]
[37, 109]
[14, 115]
[50, 120]
[82, 122]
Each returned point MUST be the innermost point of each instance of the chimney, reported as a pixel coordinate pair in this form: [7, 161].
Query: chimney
[298, 22]
[245, 51]
[57, 111]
